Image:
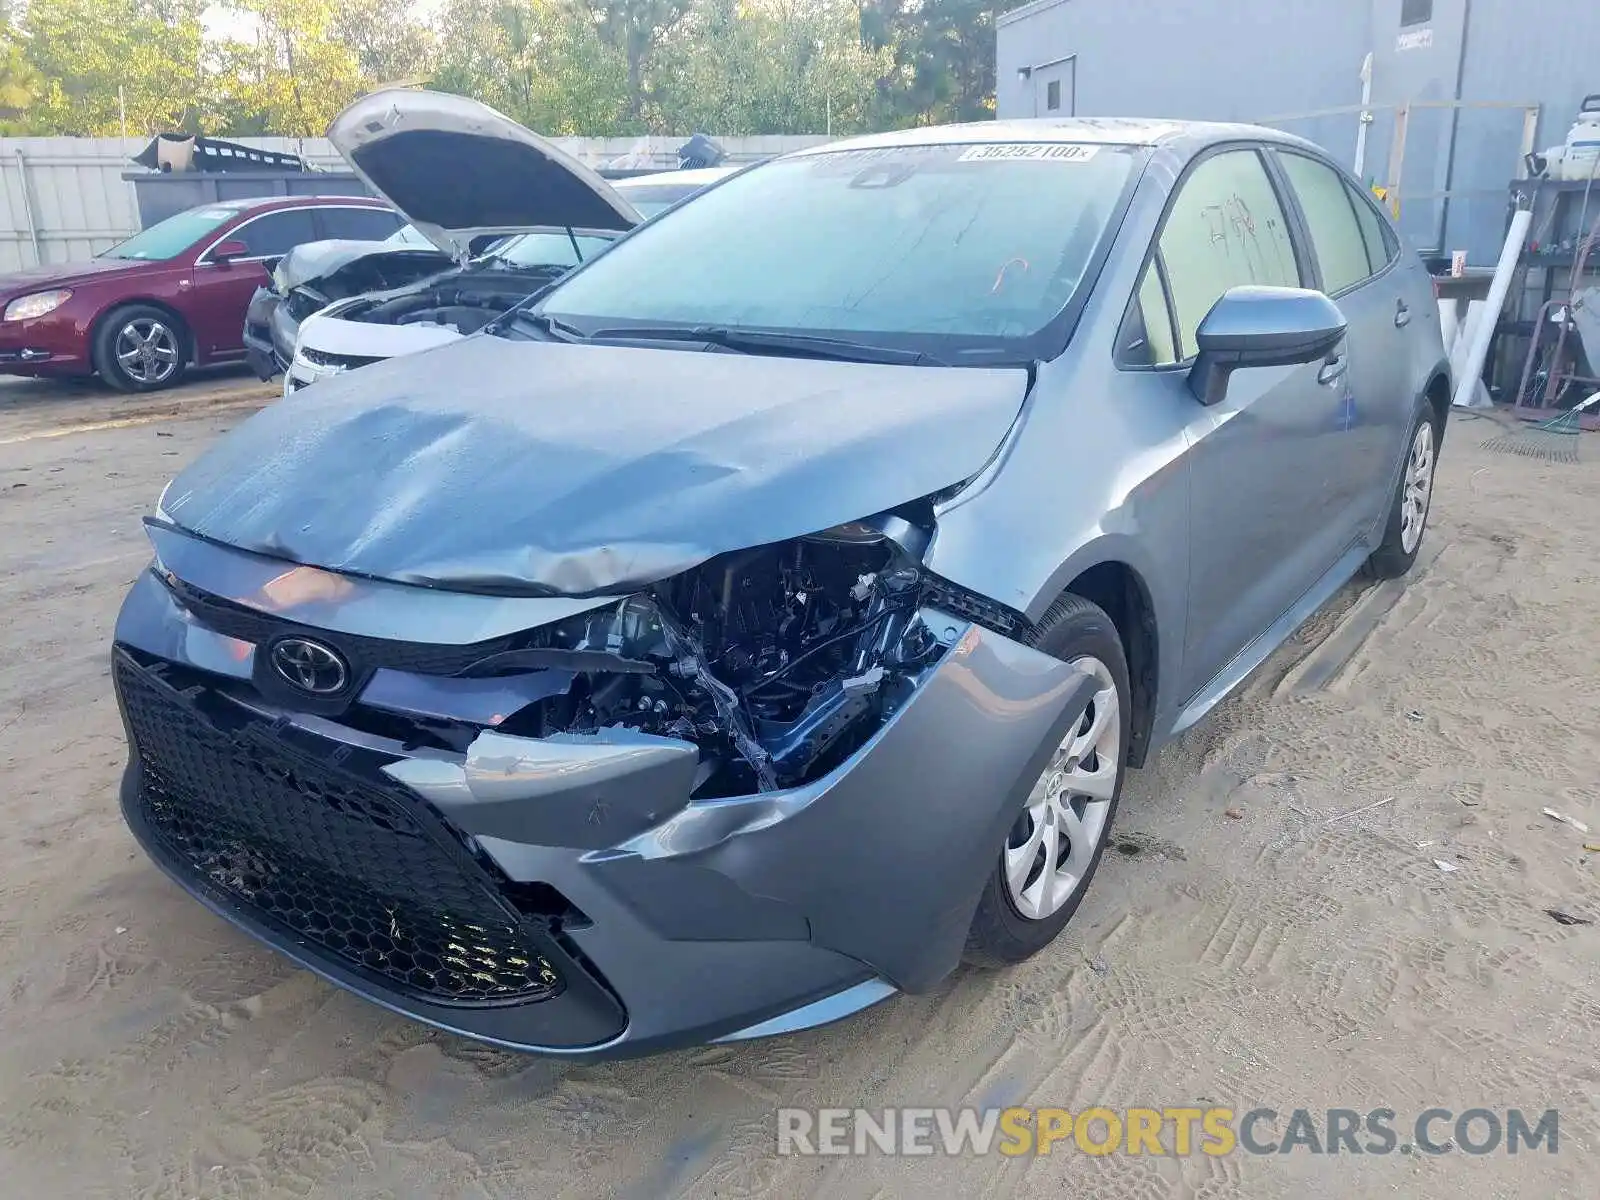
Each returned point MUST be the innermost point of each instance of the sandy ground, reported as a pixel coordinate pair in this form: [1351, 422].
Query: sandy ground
[1273, 957]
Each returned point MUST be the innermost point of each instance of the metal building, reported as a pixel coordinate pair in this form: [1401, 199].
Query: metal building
[1458, 89]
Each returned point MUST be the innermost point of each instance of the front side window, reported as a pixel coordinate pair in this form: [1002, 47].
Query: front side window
[170, 238]
[276, 233]
[952, 250]
[1331, 218]
[1225, 229]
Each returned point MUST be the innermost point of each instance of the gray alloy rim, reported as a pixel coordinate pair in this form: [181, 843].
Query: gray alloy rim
[1050, 848]
[146, 350]
[1417, 489]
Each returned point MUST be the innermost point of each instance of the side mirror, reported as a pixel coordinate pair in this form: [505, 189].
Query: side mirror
[228, 250]
[1262, 327]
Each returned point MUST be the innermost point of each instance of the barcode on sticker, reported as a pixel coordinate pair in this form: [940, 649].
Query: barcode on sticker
[1031, 151]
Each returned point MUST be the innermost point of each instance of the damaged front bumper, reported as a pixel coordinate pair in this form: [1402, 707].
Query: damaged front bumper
[562, 894]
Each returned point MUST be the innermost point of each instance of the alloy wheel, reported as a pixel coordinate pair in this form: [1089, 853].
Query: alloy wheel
[1052, 845]
[147, 351]
[1417, 488]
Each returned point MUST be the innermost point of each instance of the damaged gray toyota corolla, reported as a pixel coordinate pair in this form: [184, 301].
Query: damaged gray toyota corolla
[762, 620]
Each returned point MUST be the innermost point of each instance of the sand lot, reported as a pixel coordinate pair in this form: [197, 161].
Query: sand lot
[1241, 948]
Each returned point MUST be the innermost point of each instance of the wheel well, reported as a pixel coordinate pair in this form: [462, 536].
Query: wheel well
[178, 323]
[1117, 588]
[1439, 397]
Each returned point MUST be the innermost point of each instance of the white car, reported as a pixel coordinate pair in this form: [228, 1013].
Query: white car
[465, 176]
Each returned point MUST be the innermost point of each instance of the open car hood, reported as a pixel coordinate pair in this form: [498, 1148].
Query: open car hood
[457, 170]
[545, 468]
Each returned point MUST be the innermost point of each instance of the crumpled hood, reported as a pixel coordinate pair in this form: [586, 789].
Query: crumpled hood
[315, 260]
[551, 468]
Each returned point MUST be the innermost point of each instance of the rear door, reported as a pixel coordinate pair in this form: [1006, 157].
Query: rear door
[221, 291]
[1355, 262]
[1259, 535]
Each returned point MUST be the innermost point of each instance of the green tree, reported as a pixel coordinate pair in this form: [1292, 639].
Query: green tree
[539, 61]
[943, 54]
[636, 29]
[769, 66]
[86, 61]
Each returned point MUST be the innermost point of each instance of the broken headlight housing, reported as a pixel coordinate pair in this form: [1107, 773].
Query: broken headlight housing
[777, 662]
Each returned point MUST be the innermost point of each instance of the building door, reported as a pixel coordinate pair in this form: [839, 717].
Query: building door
[1055, 89]
[1416, 56]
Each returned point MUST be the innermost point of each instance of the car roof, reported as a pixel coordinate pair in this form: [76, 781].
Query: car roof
[1105, 131]
[245, 204]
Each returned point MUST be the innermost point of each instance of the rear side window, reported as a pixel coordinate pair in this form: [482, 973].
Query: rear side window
[1225, 229]
[1382, 245]
[1331, 217]
[277, 233]
[358, 224]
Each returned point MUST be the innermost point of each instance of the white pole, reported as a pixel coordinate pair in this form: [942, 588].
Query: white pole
[1364, 120]
[1483, 331]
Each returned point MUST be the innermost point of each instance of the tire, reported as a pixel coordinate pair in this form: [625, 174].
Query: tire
[1008, 927]
[141, 348]
[1408, 511]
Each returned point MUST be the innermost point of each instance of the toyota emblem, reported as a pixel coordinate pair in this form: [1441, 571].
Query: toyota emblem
[310, 666]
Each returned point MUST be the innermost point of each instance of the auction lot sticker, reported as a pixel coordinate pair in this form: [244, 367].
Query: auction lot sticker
[1030, 152]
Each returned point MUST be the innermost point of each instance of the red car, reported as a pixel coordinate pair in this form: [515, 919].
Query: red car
[170, 297]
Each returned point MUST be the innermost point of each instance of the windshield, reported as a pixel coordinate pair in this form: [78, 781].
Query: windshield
[548, 249]
[406, 235]
[170, 238]
[959, 249]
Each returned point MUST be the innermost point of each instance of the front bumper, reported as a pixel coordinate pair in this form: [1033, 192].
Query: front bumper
[44, 347]
[663, 921]
[269, 332]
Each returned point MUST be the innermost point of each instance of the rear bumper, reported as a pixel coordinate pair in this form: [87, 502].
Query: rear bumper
[683, 922]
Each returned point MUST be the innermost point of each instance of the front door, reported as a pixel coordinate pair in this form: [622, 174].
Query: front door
[1356, 260]
[1258, 487]
[222, 290]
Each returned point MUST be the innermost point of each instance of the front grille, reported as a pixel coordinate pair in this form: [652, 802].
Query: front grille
[235, 620]
[366, 872]
[343, 362]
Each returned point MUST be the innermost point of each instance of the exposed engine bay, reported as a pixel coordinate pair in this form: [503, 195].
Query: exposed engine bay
[777, 662]
[375, 272]
[464, 300]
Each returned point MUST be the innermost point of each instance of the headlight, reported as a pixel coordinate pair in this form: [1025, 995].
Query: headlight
[278, 277]
[24, 308]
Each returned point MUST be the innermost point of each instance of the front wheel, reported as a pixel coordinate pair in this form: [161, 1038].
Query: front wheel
[1408, 514]
[141, 348]
[1054, 845]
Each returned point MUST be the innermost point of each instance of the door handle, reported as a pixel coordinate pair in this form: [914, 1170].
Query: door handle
[1402, 315]
[1333, 369]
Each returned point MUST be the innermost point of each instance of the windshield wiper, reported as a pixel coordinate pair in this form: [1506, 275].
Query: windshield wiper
[758, 341]
[552, 327]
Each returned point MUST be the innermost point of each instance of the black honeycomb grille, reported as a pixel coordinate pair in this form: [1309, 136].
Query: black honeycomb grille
[317, 852]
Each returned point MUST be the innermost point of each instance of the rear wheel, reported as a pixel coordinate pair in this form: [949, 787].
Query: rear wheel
[1408, 515]
[141, 348]
[1054, 846]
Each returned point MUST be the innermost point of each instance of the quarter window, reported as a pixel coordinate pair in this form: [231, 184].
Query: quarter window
[275, 234]
[1225, 229]
[1331, 217]
[1382, 246]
